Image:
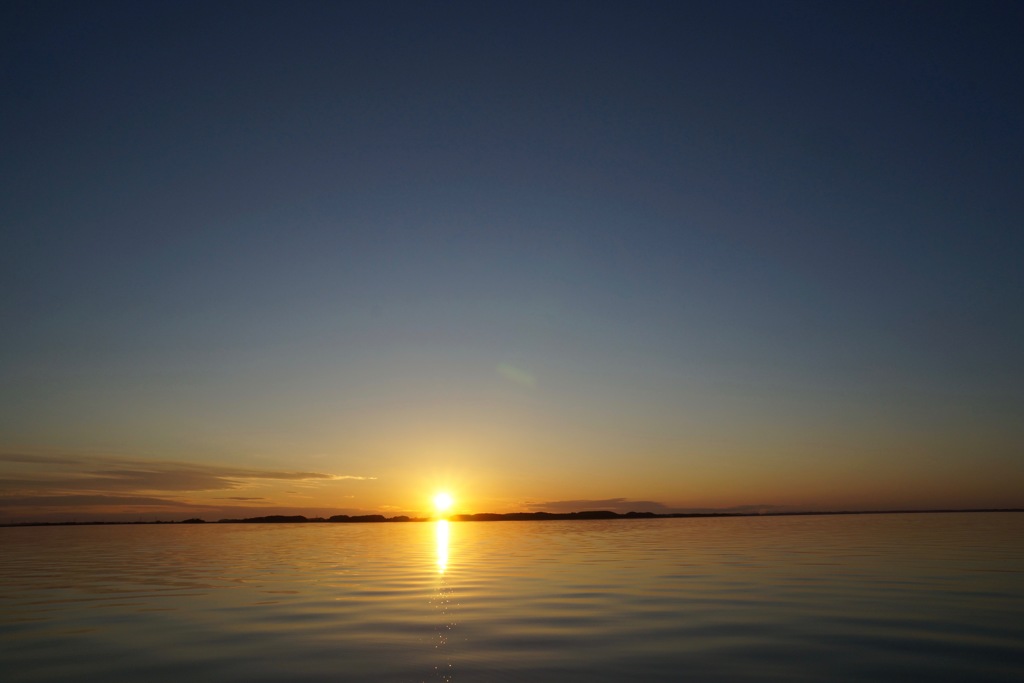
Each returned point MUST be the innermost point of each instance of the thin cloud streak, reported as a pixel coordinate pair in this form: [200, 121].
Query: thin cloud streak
[620, 505]
[38, 459]
[90, 500]
[623, 505]
[107, 486]
[104, 474]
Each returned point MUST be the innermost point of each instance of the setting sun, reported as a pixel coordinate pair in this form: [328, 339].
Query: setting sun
[442, 502]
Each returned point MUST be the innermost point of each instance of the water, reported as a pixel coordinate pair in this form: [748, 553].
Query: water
[933, 597]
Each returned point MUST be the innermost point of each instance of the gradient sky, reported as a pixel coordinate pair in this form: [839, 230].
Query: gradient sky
[319, 258]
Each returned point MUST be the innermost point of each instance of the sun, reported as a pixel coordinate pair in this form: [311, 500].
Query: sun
[443, 502]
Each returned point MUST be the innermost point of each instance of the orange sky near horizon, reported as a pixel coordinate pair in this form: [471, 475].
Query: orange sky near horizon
[68, 487]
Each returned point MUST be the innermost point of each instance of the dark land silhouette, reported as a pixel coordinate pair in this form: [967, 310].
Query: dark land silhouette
[583, 515]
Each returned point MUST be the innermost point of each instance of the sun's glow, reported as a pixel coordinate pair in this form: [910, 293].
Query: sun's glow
[443, 502]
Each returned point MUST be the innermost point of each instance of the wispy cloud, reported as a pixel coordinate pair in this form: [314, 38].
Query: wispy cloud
[89, 500]
[32, 483]
[614, 504]
[38, 459]
[622, 505]
[102, 474]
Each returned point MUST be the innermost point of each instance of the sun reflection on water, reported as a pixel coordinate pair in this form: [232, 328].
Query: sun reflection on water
[444, 668]
[442, 545]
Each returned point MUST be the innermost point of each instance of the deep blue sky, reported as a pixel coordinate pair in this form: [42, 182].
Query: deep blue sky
[734, 244]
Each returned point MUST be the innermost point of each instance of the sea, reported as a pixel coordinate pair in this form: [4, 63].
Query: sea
[880, 597]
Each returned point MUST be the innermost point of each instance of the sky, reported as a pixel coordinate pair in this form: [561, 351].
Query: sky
[332, 257]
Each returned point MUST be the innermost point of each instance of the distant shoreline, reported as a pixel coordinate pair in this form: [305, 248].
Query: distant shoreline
[585, 515]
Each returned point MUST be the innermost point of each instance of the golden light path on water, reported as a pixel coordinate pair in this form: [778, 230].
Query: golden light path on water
[444, 668]
[441, 531]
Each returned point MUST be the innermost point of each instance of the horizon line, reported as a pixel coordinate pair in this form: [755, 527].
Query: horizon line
[582, 515]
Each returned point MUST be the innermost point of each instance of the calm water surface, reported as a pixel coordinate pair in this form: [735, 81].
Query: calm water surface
[931, 597]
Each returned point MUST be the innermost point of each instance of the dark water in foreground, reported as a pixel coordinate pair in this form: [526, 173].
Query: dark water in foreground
[930, 597]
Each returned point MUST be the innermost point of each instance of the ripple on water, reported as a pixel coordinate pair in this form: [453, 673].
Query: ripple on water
[880, 598]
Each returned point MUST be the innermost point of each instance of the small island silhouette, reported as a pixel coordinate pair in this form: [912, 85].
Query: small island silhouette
[583, 515]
